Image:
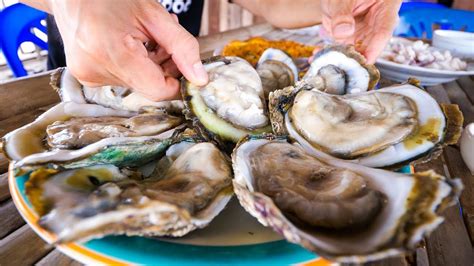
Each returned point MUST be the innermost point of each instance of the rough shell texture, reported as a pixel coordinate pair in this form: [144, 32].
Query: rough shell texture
[428, 195]
[282, 100]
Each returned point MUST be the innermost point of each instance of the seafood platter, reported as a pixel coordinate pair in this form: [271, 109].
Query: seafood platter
[310, 155]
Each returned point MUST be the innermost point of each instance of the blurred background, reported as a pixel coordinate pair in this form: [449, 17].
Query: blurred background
[218, 16]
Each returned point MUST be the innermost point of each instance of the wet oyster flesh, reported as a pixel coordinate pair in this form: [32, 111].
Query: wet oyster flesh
[231, 105]
[311, 192]
[343, 211]
[100, 200]
[343, 69]
[380, 128]
[78, 132]
[362, 124]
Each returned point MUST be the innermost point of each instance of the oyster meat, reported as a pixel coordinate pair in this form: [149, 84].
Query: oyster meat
[343, 211]
[343, 70]
[231, 105]
[277, 70]
[70, 90]
[379, 128]
[75, 143]
[188, 187]
[79, 132]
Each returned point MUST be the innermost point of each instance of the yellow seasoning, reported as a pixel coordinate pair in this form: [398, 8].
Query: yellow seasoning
[426, 132]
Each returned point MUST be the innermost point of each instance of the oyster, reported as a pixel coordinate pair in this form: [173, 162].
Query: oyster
[276, 70]
[379, 128]
[343, 70]
[94, 143]
[188, 187]
[78, 132]
[340, 210]
[70, 90]
[231, 105]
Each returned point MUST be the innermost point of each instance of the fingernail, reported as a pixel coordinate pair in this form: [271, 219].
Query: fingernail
[200, 73]
[343, 30]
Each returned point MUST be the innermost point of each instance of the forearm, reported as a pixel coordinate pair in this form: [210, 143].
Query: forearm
[38, 4]
[285, 13]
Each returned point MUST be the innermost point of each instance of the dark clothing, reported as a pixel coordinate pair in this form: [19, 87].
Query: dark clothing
[189, 13]
[56, 57]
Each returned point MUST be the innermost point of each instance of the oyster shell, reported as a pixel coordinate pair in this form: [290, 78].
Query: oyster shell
[381, 128]
[340, 210]
[276, 70]
[78, 132]
[190, 185]
[94, 143]
[343, 70]
[70, 90]
[231, 105]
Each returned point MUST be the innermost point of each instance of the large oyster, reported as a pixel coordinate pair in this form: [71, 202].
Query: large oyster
[231, 105]
[340, 210]
[70, 90]
[277, 70]
[79, 135]
[379, 128]
[343, 70]
[183, 190]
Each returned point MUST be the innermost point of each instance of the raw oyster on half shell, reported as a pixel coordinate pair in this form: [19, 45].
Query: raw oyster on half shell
[343, 70]
[277, 70]
[175, 194]
[380, 128]
[231, 105]
[343, 211]
[70, 90]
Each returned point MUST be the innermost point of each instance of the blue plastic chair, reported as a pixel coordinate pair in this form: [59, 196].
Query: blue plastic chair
[407, 6]
[16, 22]
[419, 22]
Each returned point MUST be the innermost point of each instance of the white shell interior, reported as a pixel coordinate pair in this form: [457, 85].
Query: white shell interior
[395, 186]
[28, 139]
[427, 108]
[358, 76]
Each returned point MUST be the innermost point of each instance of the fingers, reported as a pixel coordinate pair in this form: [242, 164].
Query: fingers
[376, 45]
[131, 63]
[180, 44]
[338, 18]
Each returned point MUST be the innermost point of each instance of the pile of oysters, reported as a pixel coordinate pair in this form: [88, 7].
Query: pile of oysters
[311, 157]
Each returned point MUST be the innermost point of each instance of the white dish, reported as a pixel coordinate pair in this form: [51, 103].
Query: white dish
[427, 76]
[460, 43]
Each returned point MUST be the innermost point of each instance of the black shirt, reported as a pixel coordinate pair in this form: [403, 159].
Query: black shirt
[189, 13]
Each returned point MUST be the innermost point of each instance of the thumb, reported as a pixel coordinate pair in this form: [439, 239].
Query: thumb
[342, 27]
[339, 18]
[180, 44]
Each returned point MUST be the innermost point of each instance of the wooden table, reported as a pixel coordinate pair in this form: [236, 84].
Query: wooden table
[26, 98]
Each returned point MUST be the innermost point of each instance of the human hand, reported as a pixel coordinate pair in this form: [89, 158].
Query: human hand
[104, 45]
[367, 24]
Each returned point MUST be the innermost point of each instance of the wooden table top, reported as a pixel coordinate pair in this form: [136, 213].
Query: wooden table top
[24, 99]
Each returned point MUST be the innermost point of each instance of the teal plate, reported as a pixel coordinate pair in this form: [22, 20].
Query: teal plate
[234, 237]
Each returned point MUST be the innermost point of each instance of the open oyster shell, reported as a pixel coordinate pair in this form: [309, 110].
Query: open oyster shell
[382, 128]
[277, 70]
[180, 192]
[343, 70]
[89, 144]
[343, 211]
[231, 105]
[70, 90]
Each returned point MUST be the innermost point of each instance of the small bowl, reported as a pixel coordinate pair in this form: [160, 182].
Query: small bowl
[459, 43]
